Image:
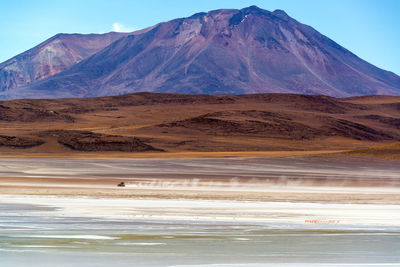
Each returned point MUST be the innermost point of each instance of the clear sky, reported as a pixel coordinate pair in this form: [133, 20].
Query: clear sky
[368, 28]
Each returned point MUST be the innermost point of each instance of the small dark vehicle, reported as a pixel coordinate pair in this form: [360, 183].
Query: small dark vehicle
[121, 184]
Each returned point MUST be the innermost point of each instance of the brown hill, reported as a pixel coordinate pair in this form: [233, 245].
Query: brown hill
[189, 123]
[89, 141]
[391, 151]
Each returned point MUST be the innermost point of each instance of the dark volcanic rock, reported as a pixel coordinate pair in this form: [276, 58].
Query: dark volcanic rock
[220, 52]
[394, 122]
[19, 142]
[31, 114]
[282, 126]
[247, 123]
[89, 141]
[358, 131]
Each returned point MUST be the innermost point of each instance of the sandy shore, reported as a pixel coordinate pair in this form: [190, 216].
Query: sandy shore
[248, 189]
[207, 189]
[295, 180]
[170, 155]
[257, 190]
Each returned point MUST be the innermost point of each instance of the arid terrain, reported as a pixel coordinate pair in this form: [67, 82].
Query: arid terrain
[304, 179]
[171, 125]
[230, 137]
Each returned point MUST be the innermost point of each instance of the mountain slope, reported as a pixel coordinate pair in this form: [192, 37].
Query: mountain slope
[51, 57]
[220, 52]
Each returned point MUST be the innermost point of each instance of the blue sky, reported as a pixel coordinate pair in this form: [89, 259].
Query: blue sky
[368, 28]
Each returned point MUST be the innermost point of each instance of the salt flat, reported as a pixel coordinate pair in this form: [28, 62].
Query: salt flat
[198, 212]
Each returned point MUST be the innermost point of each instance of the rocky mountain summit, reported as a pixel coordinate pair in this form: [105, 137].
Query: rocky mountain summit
[224, 51]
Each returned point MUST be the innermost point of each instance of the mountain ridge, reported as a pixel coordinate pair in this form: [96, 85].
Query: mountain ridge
[51, 57]
[225, 51]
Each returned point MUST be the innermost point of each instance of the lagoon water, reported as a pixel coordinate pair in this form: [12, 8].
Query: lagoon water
[104, 227]
[30, 238]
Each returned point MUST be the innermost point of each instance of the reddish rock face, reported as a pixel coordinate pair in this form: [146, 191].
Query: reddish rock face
[220, 52]
[51, 57]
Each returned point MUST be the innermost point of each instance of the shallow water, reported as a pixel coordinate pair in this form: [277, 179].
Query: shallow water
[57, 231]
[28, 238]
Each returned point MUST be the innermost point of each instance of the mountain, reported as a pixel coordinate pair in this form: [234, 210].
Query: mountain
[51, 57]
[224, 51]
